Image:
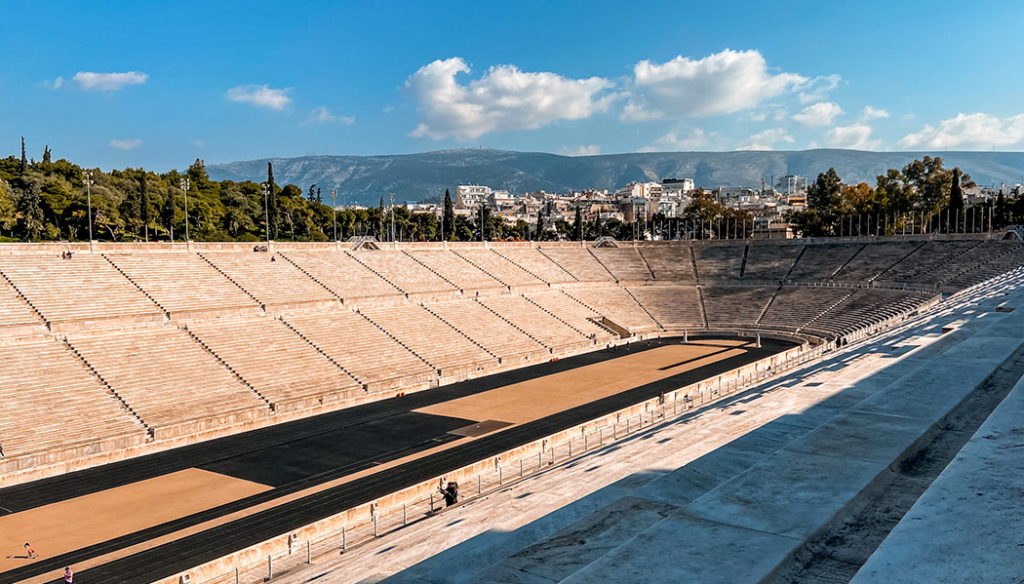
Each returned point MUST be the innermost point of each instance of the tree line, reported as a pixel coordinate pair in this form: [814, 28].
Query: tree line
[922, 197]
[49, 200]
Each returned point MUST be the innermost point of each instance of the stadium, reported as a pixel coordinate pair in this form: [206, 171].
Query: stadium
[201, 413]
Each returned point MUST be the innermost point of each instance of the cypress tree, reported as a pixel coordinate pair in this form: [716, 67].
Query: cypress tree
[577, 226]
[271, 202]
[167, 214]
[448, 217]
[380, 220]
[144, 204]
[24, 161]
[956, 192]
[540, 224]
[47, 155]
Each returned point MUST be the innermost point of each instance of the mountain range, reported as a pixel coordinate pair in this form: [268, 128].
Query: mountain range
[425, 176]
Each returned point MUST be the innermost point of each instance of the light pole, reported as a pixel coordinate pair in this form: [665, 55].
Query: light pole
[334, 207]
[266, 210]
[88, 202]
[185, 185]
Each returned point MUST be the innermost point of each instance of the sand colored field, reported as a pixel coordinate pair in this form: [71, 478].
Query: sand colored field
[536, 398]
[68, 525]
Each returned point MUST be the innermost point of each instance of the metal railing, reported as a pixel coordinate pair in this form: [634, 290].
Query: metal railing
[380, 522]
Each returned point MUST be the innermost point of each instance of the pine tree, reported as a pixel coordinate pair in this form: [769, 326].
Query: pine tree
[448, 217]
[47, 155]
[311, 195]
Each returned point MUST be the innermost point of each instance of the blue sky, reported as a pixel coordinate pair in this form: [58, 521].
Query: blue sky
[117, 84]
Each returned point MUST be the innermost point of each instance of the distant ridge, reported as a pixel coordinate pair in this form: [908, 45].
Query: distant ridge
[365, 179]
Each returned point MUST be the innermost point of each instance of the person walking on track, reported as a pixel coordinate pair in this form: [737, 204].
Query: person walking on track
[68, 575]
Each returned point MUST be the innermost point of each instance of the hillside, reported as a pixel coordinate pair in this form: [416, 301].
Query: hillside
[420, 176]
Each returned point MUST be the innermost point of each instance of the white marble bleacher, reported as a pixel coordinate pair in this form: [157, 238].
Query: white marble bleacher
[625, 263]
[445, 348]
[718, 261]
[740, 306]
[770, 261]
[375, 359]
[86, 291]
[536, 322]
[272, 280]
[579, 262]
[184, 284]
[820, 261]
[407, 274]
[920, 267]
[489, 330]
[869, 306]
[795, 306]
[570, 311]
[619, 306]
[48, 400]
[277, 362]
[874, 259]
[175, 385]
[670, 262]
[538, 264]
[676, 308]
[1012, 256]
[457, 270]
[966, 526]
[16, 316]
[345, 277]
[497, 266]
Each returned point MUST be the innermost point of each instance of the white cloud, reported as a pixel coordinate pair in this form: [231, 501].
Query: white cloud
[126, 144]
[854, 137]
[260, 96]
[108, 81]
[583, 150]
[975, 130]
[505, 98]
[322, 115]
[720, 83]
[674, 142]
[818, 88]
[871, 113]
[819, 114]
[765, 140]
[55, 84]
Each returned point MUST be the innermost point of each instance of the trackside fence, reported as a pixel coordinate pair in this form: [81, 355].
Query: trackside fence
[374, 521]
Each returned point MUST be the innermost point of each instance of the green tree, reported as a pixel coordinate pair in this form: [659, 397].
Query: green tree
[167, 214]
[31, 210]
[448, 217]
[271, 202]
[144, 203]
[8, 209]
[577, 224]
[24, 161]
[956, 192]
[539, 236]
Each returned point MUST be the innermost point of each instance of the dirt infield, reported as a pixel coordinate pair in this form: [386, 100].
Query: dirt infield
[90, 519]
[75, 526]
[536, 398]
